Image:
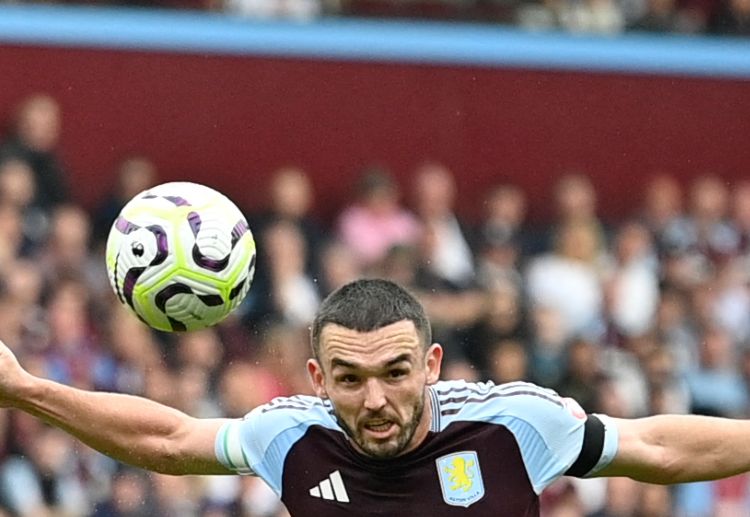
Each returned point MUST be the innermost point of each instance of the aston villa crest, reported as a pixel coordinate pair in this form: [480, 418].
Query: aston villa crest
[460, 478]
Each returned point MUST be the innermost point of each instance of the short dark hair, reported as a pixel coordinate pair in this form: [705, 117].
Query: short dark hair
[369, 304]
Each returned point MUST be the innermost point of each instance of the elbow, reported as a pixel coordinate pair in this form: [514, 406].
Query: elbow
[182, 448]
[163, 453]
[160, 457]
[169, 469]
[668, 468]
[660, 466]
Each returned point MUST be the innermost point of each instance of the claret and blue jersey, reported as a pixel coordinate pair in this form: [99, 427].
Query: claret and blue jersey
[491, 450]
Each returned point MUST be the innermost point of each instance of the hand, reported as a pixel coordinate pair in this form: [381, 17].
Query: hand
[12, 377]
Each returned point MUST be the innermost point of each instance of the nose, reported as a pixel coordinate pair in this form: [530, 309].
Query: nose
[374, 395]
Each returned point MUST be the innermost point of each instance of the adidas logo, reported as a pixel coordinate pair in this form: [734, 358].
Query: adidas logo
[331, 489]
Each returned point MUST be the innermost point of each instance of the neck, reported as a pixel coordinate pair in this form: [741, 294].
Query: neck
[423, 427]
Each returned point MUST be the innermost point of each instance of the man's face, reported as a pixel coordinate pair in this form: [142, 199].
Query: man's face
[376, 381]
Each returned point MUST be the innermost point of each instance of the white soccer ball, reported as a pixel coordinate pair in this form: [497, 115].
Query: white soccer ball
[180, 256]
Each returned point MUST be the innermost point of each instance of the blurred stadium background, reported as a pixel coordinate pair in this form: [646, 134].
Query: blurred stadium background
[564, 183]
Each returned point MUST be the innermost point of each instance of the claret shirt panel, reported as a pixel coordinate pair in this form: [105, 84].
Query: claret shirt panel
[491, 450]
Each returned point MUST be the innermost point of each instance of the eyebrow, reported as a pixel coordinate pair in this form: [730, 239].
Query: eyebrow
[347, 364]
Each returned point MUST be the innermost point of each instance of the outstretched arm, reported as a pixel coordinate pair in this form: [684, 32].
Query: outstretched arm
[680, 448]
[131, 429]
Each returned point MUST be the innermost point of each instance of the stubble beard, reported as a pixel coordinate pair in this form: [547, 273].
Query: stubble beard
[386, 450]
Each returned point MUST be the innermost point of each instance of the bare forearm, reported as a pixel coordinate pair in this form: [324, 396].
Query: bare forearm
[684, 448]
[131, 429]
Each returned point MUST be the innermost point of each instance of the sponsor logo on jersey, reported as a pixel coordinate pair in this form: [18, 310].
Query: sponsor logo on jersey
[460, 478]
[331, 489]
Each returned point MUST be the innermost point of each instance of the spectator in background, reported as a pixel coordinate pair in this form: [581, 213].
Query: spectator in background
[34, 139]
[133, 175]
[569, 279]
[740, 216]
[503, 319]
[235, 397]
[130, 496]
[499, 261]
[17, 184]
[72, 354]
[201, 349]
[376, 221]
[675, 330]
[575, 201]
[66, 253]
[132, 351]
[287, 292]
[284, 351]
[663, 16]
[583, 375]
[695, 245]
[632, 284]
[177, 496]
[662, 206]
[280, 272]
[508, 362]
[668, 392]
[628, 497]
[732, 18]
[301, 10]
[590, 16]
[505, 211]
[704, 235]
[502, 241]
[44, 478]
[710, 207]
[22, 316]
[339, 265]
[716, 386]
[291, 200]
[744, 365]
[448, 256]
[194, 393]
[404, 264]
[702, 301]
[67, 249]
[161, 385]
[198, 356]
[18, 188]
[11, 236]
[453, 312]
[548, 346]
[730, 303]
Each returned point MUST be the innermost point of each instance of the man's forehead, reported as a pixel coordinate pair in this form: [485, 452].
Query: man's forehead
[398, 329]
[397, 338]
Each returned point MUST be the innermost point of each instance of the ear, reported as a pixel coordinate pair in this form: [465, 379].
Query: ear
[433, 361]
[317, 378]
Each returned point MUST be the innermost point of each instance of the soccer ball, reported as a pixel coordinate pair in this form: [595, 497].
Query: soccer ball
[180, 256]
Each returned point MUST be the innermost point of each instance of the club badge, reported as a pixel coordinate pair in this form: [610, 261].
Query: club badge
[460, 478]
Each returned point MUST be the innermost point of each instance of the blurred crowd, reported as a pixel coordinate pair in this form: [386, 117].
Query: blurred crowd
[650, 314]
[606, 17]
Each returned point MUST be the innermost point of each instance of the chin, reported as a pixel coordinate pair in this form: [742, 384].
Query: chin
[381, 452]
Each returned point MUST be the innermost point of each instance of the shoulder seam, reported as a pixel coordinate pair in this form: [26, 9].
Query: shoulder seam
[472, 395]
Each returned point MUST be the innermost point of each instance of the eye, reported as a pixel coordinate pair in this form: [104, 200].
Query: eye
[397, 373]
[348, 378]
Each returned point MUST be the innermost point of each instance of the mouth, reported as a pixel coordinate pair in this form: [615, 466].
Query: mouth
[379, 429]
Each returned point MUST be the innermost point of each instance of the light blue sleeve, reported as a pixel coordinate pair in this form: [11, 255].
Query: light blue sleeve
[549, 429]
[259, 443]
